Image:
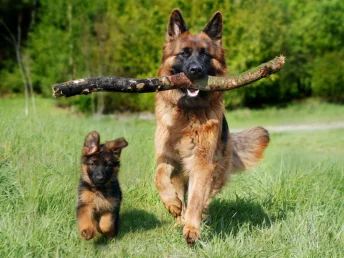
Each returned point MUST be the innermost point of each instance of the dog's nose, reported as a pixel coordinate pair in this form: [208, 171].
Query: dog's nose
[195, 70]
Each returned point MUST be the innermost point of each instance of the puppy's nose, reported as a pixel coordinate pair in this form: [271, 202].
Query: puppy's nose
[99, 177]
[195, 70]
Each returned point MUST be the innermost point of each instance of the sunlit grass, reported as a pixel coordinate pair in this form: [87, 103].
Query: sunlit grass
[307, 112]
[291, 205]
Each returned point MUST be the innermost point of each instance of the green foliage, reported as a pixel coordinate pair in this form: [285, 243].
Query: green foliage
[328, 77]
[135, 102]
[11, 80]
[73, 39]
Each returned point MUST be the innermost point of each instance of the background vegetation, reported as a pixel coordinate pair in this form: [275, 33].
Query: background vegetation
[70, 39]
[291, 205]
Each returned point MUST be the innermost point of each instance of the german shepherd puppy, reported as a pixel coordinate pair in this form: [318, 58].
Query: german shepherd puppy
[195, 151]
[99, 193]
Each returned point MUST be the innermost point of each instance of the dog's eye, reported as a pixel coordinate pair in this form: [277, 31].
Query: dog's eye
[186, 52]
[204, 53]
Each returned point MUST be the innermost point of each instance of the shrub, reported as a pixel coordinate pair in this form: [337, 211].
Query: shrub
[328, 77]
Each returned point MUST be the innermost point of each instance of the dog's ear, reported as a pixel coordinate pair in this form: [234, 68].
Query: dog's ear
[91, 144]
[116, 146]
[176, 26]
[214, 27]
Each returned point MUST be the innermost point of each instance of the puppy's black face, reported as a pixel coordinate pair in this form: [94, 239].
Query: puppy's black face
[100, 162]
[101, 168]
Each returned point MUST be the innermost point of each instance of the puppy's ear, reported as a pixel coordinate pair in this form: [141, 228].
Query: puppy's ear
[116, 146]
[91, 144]
[176, 26]
[214, 27]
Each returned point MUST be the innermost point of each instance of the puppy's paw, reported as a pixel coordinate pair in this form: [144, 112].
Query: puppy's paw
[87, 233]
[191, 234]
[111, 234]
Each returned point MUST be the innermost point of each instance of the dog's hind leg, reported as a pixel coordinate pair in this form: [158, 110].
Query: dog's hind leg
[217, 184]
[169, 192]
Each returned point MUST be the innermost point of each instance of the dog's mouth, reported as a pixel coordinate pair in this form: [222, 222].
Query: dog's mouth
[192, 93]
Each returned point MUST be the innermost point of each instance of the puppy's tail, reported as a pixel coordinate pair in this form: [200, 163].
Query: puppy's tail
[248, 147]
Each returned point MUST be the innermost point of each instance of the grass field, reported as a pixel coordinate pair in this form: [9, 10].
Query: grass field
[291, 205]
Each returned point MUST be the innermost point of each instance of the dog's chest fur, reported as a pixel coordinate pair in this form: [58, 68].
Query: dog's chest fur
[191, 134]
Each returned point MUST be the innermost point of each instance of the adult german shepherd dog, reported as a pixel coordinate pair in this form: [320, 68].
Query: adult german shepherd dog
[99, 193]
[195, 152]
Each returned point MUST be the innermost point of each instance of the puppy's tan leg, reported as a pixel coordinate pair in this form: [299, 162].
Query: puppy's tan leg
[167, 191]
[85, 222]
[106, 224]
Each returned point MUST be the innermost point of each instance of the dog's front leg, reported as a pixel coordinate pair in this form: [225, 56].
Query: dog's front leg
[85, 221]
[171, 192]
[108, 223]
[199, 190]
[201, 169]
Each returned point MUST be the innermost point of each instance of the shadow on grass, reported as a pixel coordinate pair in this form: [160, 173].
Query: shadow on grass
[136, 220]
[133, 220]
[227, 217]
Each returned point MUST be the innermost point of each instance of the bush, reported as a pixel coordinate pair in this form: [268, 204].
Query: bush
[11, 81]
[328, 77]
[70, 40]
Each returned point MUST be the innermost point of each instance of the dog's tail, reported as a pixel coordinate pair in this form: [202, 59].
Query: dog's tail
[248, 147]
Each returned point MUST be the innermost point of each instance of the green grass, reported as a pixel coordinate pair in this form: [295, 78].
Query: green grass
[306, 112]
[291, 205]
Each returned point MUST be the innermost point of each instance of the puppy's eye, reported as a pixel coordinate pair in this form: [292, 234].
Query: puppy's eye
[91, 164]
[109, 165]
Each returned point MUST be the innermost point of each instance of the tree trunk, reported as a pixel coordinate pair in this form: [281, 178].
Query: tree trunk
[26, 64]
[21, 67]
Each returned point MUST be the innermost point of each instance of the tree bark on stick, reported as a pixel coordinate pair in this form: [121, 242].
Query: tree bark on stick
[177, 81]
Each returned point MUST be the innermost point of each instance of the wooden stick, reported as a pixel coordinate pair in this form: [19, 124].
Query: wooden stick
[177, 81]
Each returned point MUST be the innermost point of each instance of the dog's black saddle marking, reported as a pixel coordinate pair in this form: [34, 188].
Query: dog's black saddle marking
[225, 131]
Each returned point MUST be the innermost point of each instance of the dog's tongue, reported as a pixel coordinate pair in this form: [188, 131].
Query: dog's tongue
[192, 92]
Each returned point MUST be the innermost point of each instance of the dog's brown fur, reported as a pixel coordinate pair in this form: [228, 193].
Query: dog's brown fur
[195, 151]
[99, 193]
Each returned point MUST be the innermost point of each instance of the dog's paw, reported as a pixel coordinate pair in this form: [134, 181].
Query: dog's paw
[179, 221]
[176, 211]
[191, 234]
[87, 233]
